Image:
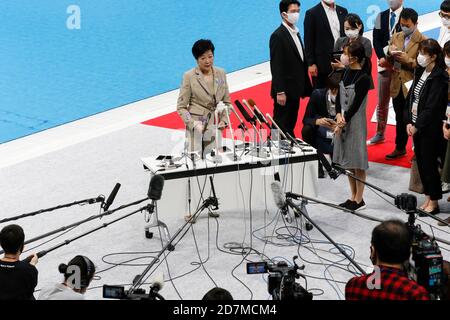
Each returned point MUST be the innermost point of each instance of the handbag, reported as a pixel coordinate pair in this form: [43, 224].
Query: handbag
[415, 183]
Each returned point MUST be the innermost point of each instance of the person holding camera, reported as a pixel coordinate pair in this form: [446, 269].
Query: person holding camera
[427, 101]
[17, 278]
[78, 274]
[390, 249]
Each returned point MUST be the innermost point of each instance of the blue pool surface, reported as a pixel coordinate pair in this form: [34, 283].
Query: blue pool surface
[125, 51]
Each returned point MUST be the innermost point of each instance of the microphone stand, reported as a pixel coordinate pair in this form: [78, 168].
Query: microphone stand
[257, 136]
[235, 157]
[291, 204]
[76, 224]
[81, 202]
[211, 201]
[104, 225]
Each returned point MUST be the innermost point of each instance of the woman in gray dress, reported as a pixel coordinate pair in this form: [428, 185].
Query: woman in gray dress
[350, 151]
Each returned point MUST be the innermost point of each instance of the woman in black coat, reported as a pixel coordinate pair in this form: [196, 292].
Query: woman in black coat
[427, 103]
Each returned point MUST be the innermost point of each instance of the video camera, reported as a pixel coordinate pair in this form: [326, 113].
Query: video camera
[119, 292]
[426, 267]
[281, 280]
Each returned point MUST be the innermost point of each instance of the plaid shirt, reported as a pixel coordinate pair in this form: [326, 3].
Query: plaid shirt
[394, 285]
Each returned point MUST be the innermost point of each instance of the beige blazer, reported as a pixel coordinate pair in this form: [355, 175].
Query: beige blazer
[196, 100]
[406, 73]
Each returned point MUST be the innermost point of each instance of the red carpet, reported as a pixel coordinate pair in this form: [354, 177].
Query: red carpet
[261, 95]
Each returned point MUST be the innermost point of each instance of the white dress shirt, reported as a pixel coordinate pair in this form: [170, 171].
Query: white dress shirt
[397, 18]
[333, 20]
[295, 37]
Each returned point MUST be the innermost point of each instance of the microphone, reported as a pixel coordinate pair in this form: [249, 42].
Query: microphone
[333, 173]
[216, 201]
[276, 126]
[279, 197]
[258, 112]
[243, 111]
[157, 282]
[111, 197]
[241, 123]
[155, 188]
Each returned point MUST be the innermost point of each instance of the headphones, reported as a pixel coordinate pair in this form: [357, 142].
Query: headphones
[84, 281]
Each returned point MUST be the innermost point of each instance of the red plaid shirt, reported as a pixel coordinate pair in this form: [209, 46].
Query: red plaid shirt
[394, 285]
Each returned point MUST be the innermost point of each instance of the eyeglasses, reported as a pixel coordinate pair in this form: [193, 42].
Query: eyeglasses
[443, 15]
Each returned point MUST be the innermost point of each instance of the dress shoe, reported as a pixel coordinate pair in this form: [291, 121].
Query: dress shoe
[396, 154]
[376, 139]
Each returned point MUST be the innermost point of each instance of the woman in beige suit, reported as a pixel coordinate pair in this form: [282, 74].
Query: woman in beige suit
[202, 89]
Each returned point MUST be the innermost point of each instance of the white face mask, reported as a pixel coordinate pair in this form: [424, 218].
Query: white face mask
[352, 34]
[445, 22]
[345, 60]
[447, 62]
[329, 1]
[423, 61]
[292, 18]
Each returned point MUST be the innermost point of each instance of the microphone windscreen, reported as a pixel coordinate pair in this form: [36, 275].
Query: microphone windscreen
[278, 194]
[158, 281]
[156, 187]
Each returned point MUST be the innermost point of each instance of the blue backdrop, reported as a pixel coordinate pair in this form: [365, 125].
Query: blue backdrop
[125, 50]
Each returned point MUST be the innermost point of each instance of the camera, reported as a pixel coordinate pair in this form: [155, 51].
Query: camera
[119, 292]
[281, 280]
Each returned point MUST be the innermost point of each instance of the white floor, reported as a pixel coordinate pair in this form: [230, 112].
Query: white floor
[93, 167]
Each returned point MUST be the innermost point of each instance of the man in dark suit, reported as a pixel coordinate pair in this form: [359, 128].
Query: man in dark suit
[323, 25]
[387, 23]
[290, 80]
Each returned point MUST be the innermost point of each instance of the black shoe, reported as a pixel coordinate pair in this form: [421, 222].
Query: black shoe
[357, 206]
[434, 212]
[396, 154]
[347, 204]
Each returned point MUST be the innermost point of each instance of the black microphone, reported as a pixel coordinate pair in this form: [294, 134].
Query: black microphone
[216, 201]
[279, 197]
[258, 113]
[98, 199]
[111, 197]
[155, 188]
[334, 174]
[243, 111]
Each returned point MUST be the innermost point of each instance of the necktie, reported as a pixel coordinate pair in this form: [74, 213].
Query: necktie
[392, 22]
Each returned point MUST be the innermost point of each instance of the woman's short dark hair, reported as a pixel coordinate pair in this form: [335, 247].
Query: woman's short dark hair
[201, 46]
[432, 47]
[392, 241]
[409, 13]
[86, 267]
[445, 6]
[447, 48]
[217, 294]
[356, 49]
[284, 5]
[354, 21]
[12, 238]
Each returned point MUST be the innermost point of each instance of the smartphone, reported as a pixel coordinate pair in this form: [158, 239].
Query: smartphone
[256, 267]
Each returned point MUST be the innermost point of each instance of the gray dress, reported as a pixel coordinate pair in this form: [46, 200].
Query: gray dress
[350, 150]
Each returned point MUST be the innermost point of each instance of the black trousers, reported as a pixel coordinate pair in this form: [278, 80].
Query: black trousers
[310, 134]
[401, 117]
[320, 81]
[427, 150]
[286, 116]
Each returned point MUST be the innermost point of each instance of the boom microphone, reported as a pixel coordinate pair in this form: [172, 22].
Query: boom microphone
[279, 197]
[111, 197]
[157, 282]
[243, 111]
[155, 188]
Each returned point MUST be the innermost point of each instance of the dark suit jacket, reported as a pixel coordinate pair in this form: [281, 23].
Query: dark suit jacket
[289, 71]
[432, 102]
[317, 107]
[319, 40]
[381, 34]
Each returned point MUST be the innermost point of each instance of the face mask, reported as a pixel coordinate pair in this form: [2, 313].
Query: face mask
[352, 34]
[345, 60]
[394, 4]
[329, 1]
[292, 18]
[445, 22]
[408, 31]
[447, 62]
[332, 98]
[422, 60]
